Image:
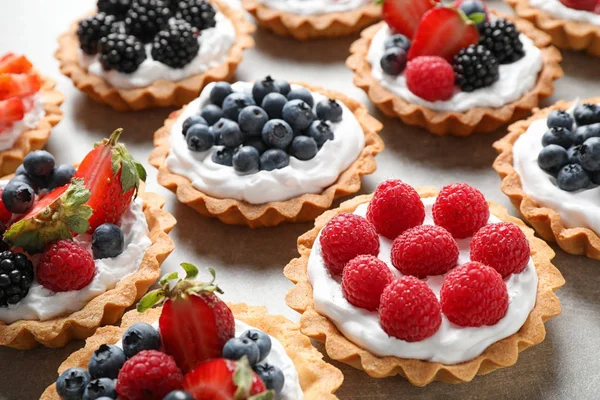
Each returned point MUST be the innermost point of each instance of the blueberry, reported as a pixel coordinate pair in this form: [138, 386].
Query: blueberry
[60, 176]
[572, 177]
[252, 119]
[18, 197]
[587, 114]
[178, 395]
[283, 87]
[263, 88]
[298, 114]
[246, 160]
[470, 7]
[273, 104]
[140, 336]
[223, 157]
[106, 362]
[35, 183]
[39, 163]
[229, 133]
[271, 376]
[107, 241]
[559, 136]
[211, 114]
[589, 154]
[236, 348]
[103, 387]
[262, 340]
[583, 133]
[200, 138]
[20, 170]
[552, 158]
[301, 94]
[234, 103]
[304, 148]
[329, 110]
[573, 154]
[277, 133]
[560, 118]
[393, 61]
[274, 159]
[257, 143]
[398, 40]
[71, 384]
[218, 93]
[320, 131]
[595, 177]
[193, 120]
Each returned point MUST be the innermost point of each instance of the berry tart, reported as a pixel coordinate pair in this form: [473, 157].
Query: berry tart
[265, 153]
[137, 54]
[311, 19]
[550, 169]
[425, 284]
[29, 108]
[237, 352]
[454, 69]
[79, 246]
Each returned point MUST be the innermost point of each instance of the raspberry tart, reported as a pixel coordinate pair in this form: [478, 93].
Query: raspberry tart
[263, 153]
[424, 284]
[150, 53]
[454, 69]
[79, 246]
[238, 352]
[29, 108]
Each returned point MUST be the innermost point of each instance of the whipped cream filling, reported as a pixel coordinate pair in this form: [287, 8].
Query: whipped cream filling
[298, 178]
[314, 7]
[43, 304]
[558, 10]
[516, 79]
[215, 44]
[31, 119]
[451, 344]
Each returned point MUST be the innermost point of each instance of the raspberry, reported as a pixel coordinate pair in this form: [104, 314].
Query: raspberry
[430, 77]
[346, 236]
[409, 310]
[149, 375]
[461, 209]
[64, 266]
[394, 208]
[502, 246]
[474, 295]
[363, 281]
[425, 250]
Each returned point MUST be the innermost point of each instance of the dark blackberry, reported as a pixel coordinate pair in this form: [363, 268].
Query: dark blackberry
[92, 29]
[475, 67]
[121, 52]
[16, 277]
[199, 13]
[118, 8]
[501, 37]
[146, 18]
[177, 45]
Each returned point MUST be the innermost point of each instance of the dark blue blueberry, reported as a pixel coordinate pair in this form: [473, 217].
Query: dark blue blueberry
[71, 384]
[587, 114]
[193, 120]
[252, 119]
[274, 159]
[246, 160]
[35, 183]
[271, 376]
[140, 336]
[302, 94]
[393, 61]
[277, 133]
[229, 133]
[236, 102]
[589, 154]
[236, 348]
[304, 148]
[298, 114]
[107, 241]
[262, 340]
[211, 113]
[257, 143]
[470, 7]
[572, 177]
[223, 156]
[219, 92]
[273, 104]
[103, 387]
[398, 40]
[560, 118]
[583, 133]
[18, 197]
[559, 136]
[320, 131]
[178, 395]
[595, 177]
[329, 110]
[39, 163]
[60, 176]
[20, 170]
[573, 154]
[552, 158]
[199, 138]
[106, 362]
[283, 87]
[263, 88]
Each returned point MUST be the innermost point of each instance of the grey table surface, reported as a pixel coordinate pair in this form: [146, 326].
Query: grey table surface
[250, 262]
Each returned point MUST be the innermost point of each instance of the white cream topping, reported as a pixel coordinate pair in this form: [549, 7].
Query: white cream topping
[215, 44]
[516, 79]
[298, 178]
[314, 7]
[30, 120]
[43, 304]
[451, 344]
[558, 10]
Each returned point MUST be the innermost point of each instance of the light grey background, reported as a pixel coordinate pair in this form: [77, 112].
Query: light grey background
[249, 263]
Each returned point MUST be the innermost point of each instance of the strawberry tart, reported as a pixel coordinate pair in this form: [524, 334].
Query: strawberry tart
[78, 246]
[238, 352]
[454, 69]
[425, 284]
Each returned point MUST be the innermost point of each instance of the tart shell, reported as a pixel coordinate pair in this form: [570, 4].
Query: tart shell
[108, 307]
[303, 208]
[501, 354]
[158, 93]
[547, 222]
[475, 120]
[318, 379]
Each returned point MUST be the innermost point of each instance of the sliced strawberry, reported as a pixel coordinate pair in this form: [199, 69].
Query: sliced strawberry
[11, 110]
[585, 5]
[14, 64]
[5, 215]
[18, 85]
[404, 16]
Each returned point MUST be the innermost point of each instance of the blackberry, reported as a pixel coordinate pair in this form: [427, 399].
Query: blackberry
[92, 29]
[199, 13]
[501, 37]
[475, 67]
[118, 8]
[146, 18]
[176, 46]
[121, 52]
[16, 276]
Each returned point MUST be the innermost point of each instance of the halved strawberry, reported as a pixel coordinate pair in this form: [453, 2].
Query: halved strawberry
[586, 5]
[404, 16]
[18, 85]
[11, 110]
[14, 64]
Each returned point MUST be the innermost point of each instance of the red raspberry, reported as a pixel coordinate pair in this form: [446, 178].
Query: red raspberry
[364, 279]
[430, 77]
[474, 295]
[346, 236]
[64, 266]
[425, 250]
[461, 209]
[502, 246]
[409, 310]
[394, 208]
[149, 375]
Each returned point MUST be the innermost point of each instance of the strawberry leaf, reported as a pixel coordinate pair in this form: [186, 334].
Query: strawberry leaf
[190, 270]
[268, 395]
[242, 378]
[150, 299]
[165, 279]
[477, 17]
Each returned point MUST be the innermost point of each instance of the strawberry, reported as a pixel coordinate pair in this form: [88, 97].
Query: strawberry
[586, 5]
[443, 32]
[5, 215]
[404, 16]
[18, 85]
[113, 177]
[11, 110]
[14, 64]
[194, 324]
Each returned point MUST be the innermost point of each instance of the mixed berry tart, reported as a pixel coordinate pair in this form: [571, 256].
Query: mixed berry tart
[425, 284]
[263, 153]
[79, 246]
[234, 351]
[152, 53]
[454, 69]
[550, 169]
[29, 108]
[311, 19]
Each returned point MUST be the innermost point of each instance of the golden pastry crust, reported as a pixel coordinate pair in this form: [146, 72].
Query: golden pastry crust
[318, 379]
[36, 138]
[108, 307]
[303, 208]
[501, 354]
[565, 33]
[546, 221]
[158, 93]
[475, 120]
[306, 27]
